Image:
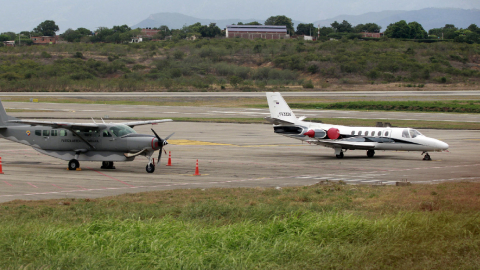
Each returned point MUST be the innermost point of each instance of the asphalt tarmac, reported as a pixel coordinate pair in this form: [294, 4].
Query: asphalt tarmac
[97, 111]
[232, 155]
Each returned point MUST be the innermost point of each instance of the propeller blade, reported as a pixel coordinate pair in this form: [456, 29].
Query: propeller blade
[168, 137]
[159, 154]
[156, 135]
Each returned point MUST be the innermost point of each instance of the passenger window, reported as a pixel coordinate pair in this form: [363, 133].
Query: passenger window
[38, 132]
[360, 133]
[386, 133]
[54, 132]
[353, 132]
[405, 133]
[106, 133]
[46, 133]
[63, 132]
[379, 133]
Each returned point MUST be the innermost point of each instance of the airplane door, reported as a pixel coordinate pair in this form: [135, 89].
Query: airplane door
[109, 141]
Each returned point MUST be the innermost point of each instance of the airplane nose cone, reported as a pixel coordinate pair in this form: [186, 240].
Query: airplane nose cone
[442, 145]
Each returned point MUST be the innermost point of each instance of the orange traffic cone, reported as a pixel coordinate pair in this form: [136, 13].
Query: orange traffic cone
[1, 169]
[169, 159]
[197, 173]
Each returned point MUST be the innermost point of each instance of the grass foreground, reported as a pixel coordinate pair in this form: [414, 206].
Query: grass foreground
[315, 227]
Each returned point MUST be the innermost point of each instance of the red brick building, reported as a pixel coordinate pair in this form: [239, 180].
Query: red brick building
[149, 32]
[257, 31]
[371, 35]
[45, 40]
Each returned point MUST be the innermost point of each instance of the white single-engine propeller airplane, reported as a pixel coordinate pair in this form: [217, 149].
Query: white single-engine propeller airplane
[106, 142]
[343, 138]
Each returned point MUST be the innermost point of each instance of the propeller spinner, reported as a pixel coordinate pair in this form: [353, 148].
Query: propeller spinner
[161, 144]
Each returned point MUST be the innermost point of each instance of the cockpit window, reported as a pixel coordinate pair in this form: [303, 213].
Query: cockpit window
[121, 130]
[405, 133]
[414, 133]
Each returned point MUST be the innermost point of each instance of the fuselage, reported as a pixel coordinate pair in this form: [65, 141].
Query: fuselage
[382, 138]
[112, 137]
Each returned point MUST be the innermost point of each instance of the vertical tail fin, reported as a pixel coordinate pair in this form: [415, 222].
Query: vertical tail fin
[279, 109]
[4, 117]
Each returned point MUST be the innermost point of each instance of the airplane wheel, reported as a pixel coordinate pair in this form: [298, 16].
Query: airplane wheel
[370, 153]
[150, 168]
[73, 165]
[427, 157]
[107, 165]
[340, 155]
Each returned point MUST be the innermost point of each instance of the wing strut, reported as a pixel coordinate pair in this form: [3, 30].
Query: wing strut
[81, 138]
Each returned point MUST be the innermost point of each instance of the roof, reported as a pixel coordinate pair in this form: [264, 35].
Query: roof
[257, 28]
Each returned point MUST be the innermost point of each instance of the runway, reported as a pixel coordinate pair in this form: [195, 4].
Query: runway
[232, 155]
[467, 93]
[97, 111]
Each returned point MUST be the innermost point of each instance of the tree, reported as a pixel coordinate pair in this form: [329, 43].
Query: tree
[253, 23]
[4, 38]
[398, 30]
[417, 31]
[47, 28]
[210, 31]
[325, 31]
[447, 32]
[121, 28]
[344, 27]
[368, 27]
[281, 20]
[11, 35]
[306, 29]
[474, 28]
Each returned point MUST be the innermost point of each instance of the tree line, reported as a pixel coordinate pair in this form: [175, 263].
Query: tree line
[344, 29]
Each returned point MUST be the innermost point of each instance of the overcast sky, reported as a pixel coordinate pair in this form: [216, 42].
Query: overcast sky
[20, 15]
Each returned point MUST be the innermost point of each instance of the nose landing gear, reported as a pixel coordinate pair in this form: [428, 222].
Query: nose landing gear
[426, 156]
[150, 168]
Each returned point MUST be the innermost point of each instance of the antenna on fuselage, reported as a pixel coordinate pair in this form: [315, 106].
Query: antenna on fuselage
[103, 120]
[93, 120]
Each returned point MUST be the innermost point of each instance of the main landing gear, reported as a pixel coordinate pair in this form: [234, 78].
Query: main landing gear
[107, 165]
[426, 156]
[370, 153]
[73, 165]
[340, 155]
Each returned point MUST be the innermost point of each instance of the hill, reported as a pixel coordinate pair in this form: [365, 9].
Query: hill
[429, 17]
[177, 20]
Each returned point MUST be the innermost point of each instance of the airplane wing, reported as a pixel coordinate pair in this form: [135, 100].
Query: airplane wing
[66, 125]
[139, 123]
[345, 144]
[352, 143]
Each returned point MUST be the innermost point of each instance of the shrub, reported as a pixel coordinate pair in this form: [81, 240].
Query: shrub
[81, 76]
[78, 55]
[11, 76]
[44, 54]
[313, 68]
[178, 55]
[235, 81]
[308, 84]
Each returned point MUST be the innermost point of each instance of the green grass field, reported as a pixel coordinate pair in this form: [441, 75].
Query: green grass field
[325, 226]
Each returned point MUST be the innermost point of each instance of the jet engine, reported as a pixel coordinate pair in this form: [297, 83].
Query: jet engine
[333, 133]
[316, 133]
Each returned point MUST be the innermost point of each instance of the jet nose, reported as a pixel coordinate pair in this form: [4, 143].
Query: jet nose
[442, 145]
